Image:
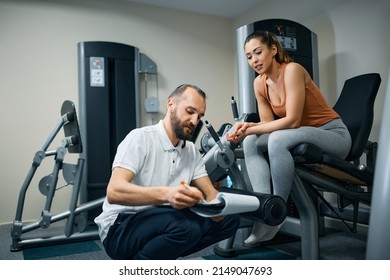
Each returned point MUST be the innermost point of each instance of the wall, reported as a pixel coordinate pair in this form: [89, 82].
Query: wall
[38, 71]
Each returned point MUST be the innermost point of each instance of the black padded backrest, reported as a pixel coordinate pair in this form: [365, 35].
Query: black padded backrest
[356, 108]
[71, 128]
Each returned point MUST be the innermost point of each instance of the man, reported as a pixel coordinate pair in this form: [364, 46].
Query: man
[150, 164]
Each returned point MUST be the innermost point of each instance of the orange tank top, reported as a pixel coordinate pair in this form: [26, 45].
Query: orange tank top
[316, 111]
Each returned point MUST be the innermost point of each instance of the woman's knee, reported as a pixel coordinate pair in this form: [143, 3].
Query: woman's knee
[283, 140]
[250, 143]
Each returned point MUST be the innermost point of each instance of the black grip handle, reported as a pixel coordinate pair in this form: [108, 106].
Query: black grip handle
[212, 131]
[234, 108]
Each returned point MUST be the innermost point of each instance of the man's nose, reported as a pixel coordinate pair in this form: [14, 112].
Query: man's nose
[194, 120]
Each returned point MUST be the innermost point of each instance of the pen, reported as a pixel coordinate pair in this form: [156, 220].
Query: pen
[185, 184]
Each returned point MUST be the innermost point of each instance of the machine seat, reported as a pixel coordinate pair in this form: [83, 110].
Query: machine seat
[312, 158]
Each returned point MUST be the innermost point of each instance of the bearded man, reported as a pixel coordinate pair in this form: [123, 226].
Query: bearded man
[149, 169]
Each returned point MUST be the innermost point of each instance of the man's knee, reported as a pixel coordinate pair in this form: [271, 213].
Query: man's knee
[232, 222]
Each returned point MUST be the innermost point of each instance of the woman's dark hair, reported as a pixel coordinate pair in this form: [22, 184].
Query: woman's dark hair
[269, 39]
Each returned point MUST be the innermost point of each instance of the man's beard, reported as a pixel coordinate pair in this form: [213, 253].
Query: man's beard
[179, 127]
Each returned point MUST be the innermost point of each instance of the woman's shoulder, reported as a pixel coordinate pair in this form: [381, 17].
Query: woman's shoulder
[259, 83]
[294, 66]
[294, 69]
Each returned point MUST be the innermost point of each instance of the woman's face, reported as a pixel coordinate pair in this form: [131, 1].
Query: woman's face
[259, 55]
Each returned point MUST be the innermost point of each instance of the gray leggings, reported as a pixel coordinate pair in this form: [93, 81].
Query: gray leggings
[332, 137]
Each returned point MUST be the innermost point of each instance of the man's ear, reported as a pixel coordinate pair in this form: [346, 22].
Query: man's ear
[170, 103]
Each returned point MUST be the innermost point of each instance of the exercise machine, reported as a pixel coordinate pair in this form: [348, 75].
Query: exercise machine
[72, 173]
[225, 159]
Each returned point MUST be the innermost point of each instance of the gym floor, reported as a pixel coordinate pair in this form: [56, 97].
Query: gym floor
[336, 244]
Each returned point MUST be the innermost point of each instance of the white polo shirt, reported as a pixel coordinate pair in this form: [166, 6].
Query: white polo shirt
[151, 156]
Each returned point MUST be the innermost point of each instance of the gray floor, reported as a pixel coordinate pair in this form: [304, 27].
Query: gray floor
[335, 245]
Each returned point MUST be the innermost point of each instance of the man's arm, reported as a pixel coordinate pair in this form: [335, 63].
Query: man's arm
[121, 190]
[204, 184]
[206, 187]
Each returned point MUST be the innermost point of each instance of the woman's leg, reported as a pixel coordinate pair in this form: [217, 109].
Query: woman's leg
[332, 138]
[256, 163]
[255, 149]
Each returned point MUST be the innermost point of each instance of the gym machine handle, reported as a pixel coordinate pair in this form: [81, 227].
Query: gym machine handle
[233, 103]
[214, 134]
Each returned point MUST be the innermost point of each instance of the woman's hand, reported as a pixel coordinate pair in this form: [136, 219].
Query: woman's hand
[238, 133]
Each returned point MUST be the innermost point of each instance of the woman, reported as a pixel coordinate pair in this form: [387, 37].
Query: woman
[292, 110]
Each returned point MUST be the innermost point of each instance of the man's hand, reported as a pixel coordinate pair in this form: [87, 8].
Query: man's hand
[184, 196]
